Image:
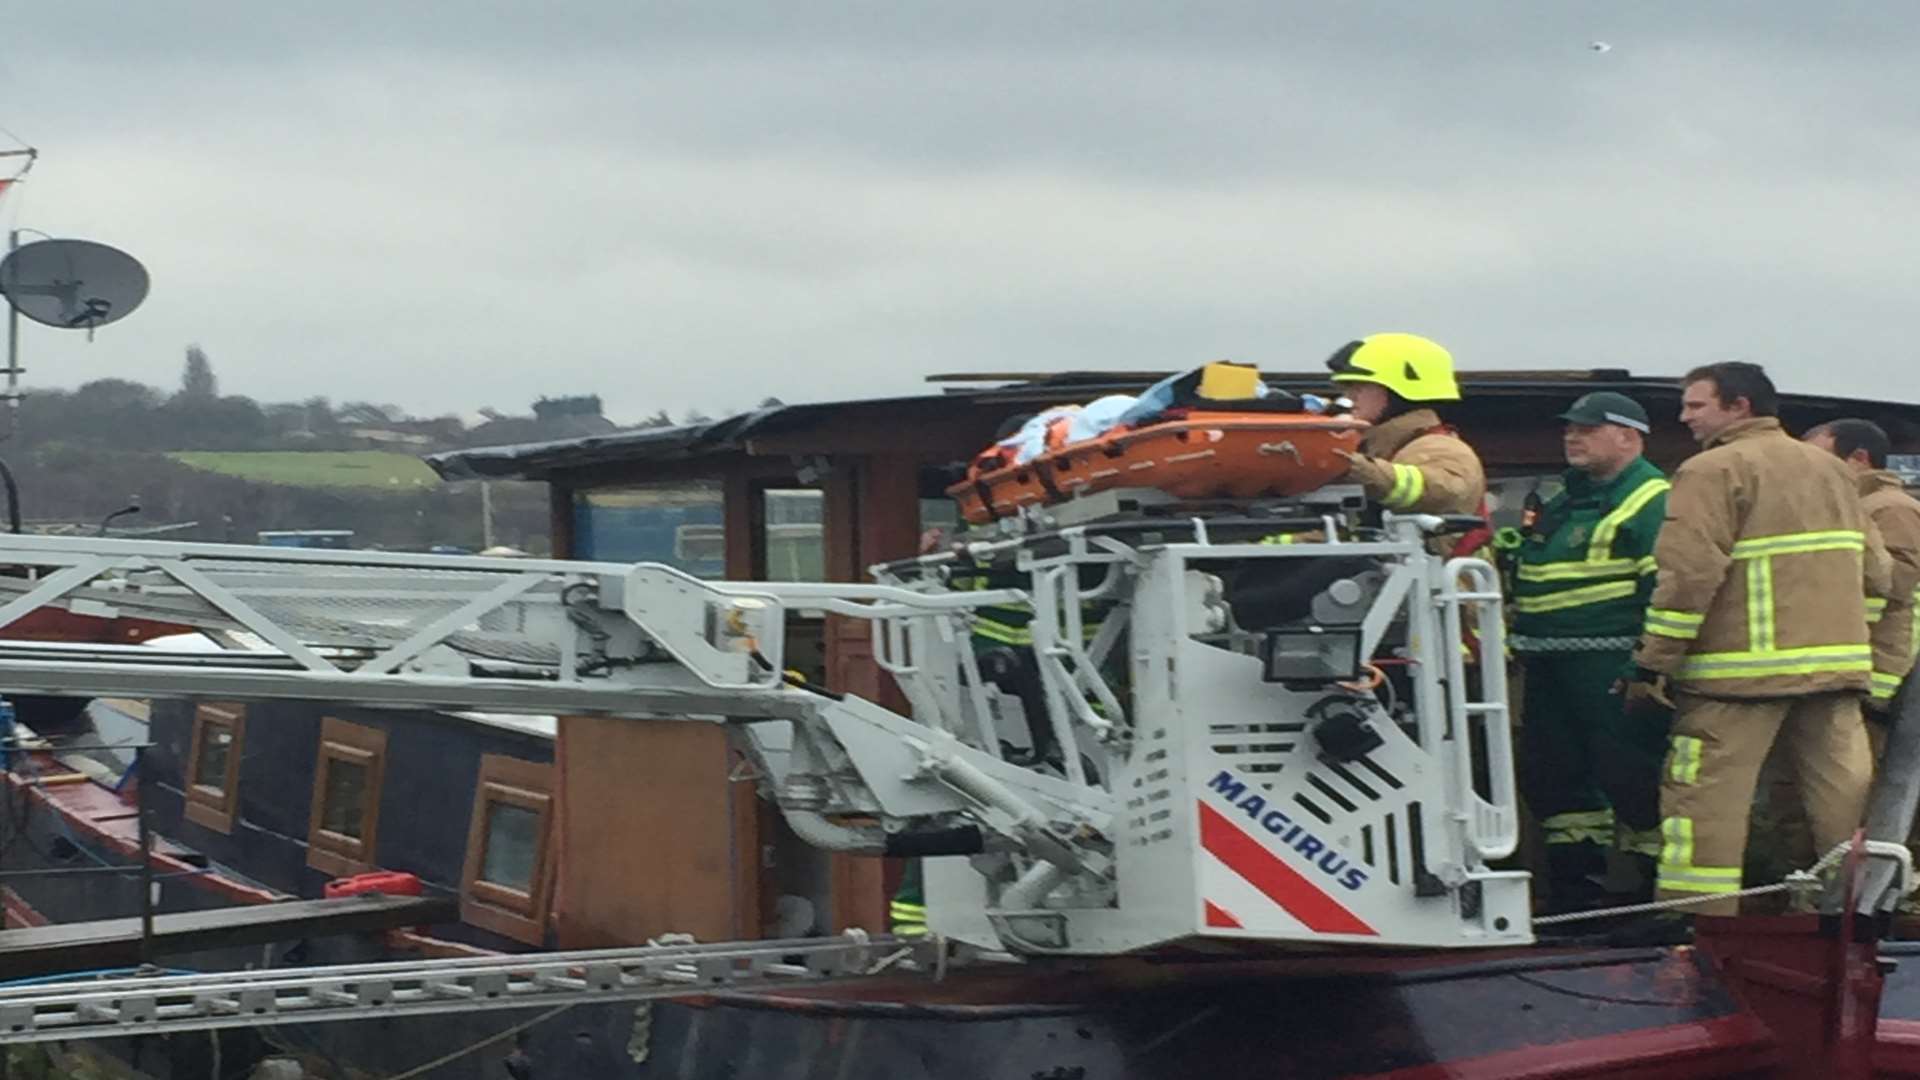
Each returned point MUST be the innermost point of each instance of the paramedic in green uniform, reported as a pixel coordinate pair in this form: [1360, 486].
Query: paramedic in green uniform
[1580, 590]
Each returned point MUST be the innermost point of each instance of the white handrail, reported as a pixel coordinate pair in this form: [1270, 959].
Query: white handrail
[1491, 826]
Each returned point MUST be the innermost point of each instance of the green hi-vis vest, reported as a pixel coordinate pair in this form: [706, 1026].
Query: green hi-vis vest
[1012, 624]
[907, 914]
[1586, 568]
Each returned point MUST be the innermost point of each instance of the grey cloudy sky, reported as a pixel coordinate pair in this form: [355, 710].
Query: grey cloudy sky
[456, 204]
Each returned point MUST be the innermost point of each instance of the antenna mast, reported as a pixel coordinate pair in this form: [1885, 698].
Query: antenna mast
[13, 317]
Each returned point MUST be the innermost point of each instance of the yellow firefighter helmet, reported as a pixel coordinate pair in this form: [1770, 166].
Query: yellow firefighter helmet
[1407, 364]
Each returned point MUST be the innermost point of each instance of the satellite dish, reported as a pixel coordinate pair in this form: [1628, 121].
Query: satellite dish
[72, 284]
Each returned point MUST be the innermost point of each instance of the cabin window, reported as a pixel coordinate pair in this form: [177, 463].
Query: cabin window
[677, 523]
[943, 514]
[792, 520]
[213, 765]
[346, 797]
[508, 879]
[512, 847]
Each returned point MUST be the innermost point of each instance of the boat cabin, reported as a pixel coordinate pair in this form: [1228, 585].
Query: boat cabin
[820, 492]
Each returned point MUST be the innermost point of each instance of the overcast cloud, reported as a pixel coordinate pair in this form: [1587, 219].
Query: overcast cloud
[450, 205]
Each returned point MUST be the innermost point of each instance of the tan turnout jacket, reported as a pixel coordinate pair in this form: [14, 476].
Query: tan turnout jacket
[1412, 463]
[1896, 515]
[1762, 562]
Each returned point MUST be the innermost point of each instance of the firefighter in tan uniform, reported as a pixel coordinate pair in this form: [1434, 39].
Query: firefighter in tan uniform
[1758, 630]
[1409, 461]
[1864, 446]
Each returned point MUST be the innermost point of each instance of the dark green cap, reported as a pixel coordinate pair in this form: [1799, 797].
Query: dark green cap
[1607, 407]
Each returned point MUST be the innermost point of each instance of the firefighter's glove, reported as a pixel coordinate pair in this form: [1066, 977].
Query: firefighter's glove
[1646, 692]
[1369, 472]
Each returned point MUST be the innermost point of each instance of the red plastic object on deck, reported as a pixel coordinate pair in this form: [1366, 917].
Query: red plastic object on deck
[384, 882]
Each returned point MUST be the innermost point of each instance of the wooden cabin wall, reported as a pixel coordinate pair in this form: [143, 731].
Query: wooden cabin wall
[654, 838]
[652, 841]
[872, 515]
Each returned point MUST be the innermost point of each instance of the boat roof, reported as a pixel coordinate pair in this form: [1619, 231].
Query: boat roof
[967, 401]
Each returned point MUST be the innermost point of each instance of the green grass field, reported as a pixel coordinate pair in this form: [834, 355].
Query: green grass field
[378, 469]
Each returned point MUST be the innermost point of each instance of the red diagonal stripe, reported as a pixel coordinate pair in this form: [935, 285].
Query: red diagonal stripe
[1282, 883]
[1219, 916]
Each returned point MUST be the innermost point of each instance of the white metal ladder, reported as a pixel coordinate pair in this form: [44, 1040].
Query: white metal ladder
[134, 1005]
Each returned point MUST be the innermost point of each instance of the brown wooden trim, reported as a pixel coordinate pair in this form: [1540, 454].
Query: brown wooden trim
[19, 914]
[412, 941]
[206, 807]
[859, 892]
[873, 513]
[745, 541]
[330, 852]
[490, 906]
[889, 511]
[750, 895]
[75, 946]
[560, 519]
[840, 520]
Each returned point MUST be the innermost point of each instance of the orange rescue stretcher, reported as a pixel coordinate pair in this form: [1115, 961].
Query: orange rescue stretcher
[1189, 453]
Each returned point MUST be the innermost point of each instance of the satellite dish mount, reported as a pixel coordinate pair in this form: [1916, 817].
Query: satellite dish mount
[67, 284]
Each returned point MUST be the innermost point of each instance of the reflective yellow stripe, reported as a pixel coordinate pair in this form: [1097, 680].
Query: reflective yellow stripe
[1798, 543]
[1698, 880]
[1569, 598]
[1677, 832]
[1399, 488]
[1579, 827]
[1913, 639]
[1884, 686]
[1684, 625]
[1683, 764]
[1646, 842]
[1577, 569]
[1007, 634]
[1647, 566]
[1760, 605]
[1601, 545]
[1002, 632]
[1876, 609]
[1416, 484]
[1814, 660]
[1408, 485]
[1677, 872]
[907, 919]
[1277, 538]
[1599, 562]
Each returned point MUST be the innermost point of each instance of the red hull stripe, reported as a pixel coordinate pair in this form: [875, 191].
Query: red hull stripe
[1219, 916]
[1282, 883]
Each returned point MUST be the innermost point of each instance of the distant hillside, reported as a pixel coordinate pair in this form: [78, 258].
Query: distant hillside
[380, 469]
[235, 466]
[74, 484]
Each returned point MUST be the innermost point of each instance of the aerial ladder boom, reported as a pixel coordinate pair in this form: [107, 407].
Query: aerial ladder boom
[1327, 767]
